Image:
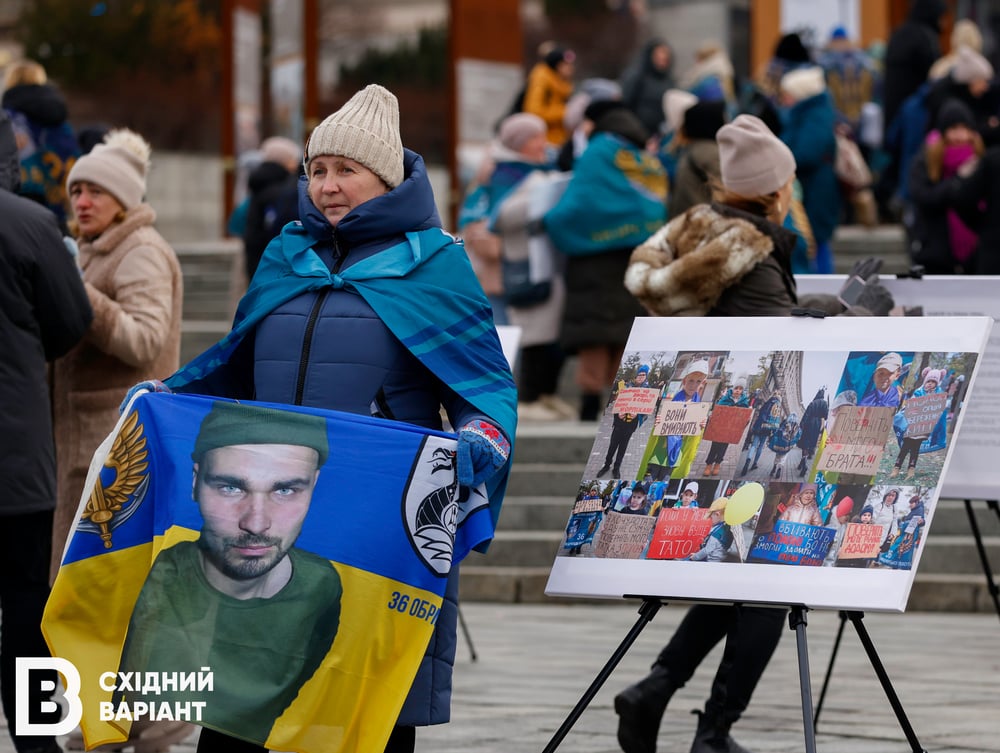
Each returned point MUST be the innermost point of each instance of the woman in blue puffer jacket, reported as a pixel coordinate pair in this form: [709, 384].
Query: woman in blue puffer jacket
[367, 306]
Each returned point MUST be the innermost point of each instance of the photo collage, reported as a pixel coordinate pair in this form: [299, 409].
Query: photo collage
[801, 458]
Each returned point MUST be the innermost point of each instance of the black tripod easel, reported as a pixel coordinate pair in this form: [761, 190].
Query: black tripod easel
[797, 622]
[991, 586]
[647, 610]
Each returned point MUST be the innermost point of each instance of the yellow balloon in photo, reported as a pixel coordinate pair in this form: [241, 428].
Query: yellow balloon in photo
[744, 504]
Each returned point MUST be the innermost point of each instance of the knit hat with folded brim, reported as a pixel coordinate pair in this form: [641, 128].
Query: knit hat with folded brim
[971, 66]
[118, 165]
[752, 160]
[366, 130]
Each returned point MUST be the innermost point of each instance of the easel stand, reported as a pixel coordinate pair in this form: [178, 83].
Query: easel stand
[991, 585]
[650, 606]
[797, 622]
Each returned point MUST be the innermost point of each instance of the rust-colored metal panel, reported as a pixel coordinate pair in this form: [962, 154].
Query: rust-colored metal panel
[487, 29]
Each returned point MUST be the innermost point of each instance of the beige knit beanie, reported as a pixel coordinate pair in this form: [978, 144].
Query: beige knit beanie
[119, 166]
[752, 160]
[971, 66]
[366, 130]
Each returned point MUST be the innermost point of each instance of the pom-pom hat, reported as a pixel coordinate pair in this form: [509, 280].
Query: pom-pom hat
[366, 130]
[118, 165]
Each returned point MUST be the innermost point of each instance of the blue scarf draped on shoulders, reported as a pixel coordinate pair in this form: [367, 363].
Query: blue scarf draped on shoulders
[421, 287]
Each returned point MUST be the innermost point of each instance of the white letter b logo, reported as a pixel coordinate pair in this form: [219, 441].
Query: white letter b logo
[37, 713]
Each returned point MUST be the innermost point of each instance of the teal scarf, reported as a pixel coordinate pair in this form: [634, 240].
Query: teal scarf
[424, 291]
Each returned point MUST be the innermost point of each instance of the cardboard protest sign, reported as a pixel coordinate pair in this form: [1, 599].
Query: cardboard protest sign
[681, 419]
[727, 424]
[923, 413]
[678, 533]
[636, 400]
[624, 536]
[588, 504]
[861, 540]
[857, 441]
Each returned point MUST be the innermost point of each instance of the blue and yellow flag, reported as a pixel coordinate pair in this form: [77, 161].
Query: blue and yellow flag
[272, 572]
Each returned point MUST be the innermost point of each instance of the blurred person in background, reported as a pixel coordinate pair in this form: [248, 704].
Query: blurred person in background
[549, 87]
[699, 162]
[46, 144]
[850, 77]
[965, 33]
[972, 82]
[597, 236]
[711, 76]
[45, 312]
[589, 91]
[808, 130]
[938, 238]
[645, 80]
[517, 192]
[273, 197]
[133, 280]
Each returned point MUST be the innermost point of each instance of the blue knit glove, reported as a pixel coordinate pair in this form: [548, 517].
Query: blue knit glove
[482, 451]
[150, 385]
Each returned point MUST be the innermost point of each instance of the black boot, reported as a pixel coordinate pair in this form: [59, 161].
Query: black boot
[640, 708]
[590, 406]
[713, 736]
[604, 468]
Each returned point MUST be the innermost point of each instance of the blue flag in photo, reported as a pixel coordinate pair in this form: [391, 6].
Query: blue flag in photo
[299, 554]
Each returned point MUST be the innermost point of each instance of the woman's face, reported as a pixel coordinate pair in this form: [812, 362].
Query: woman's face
[534, 148]
[338, 184]
[890, 498]
[93, 207]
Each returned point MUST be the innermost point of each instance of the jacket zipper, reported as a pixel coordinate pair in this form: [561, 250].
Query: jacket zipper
[300, 384]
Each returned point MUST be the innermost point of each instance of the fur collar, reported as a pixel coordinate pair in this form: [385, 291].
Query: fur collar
[684, 268]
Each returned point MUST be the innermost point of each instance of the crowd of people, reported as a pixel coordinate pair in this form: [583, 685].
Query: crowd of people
[659, 193]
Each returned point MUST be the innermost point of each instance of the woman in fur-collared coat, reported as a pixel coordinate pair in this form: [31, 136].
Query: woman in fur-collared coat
[728, 258]
[134, 284]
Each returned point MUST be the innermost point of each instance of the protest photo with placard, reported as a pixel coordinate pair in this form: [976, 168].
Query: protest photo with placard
[813, 458]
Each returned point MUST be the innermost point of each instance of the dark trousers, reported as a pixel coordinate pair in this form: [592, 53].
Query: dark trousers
[621, 433]
[911, 447]
[402, 740]
[752, 635]
[716, 453]
[539, 371]
[25, 547]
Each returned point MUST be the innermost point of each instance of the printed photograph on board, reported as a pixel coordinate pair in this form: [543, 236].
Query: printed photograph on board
[794, 458]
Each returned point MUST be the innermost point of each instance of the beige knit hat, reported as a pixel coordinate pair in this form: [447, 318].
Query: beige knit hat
[366, 130]
[803, 83]
[752, 160]
[119, 166]
[971, 66]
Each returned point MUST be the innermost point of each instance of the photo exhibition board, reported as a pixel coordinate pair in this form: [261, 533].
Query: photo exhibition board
[770, 460]
[972, 470]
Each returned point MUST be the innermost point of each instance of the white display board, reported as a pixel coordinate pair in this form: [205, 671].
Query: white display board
[973, 472]
[510, 342]
[785, 491]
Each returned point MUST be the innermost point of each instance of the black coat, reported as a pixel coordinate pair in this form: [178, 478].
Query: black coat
[273, 204]
[913, 47]
[44, 311]
[985, 109]
[928, 240]
[983, 186]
